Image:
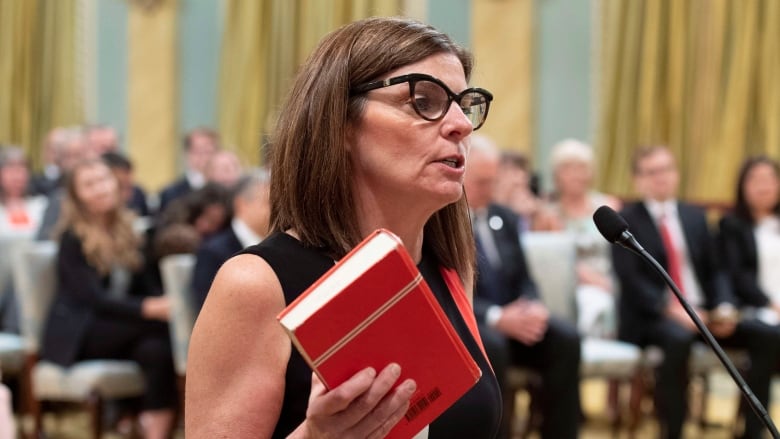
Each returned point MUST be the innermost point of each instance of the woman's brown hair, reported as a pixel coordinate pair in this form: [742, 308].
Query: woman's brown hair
[311, 173]
[742, 208]
[104, 247]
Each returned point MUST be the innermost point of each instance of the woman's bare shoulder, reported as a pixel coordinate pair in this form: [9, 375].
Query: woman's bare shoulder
[246, 277]
[242, 304]
[238, 351]
[245, 297]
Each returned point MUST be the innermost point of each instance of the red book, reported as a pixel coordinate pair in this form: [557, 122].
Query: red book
[373, 308]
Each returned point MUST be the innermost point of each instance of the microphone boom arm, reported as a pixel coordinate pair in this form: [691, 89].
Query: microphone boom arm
[758, 408]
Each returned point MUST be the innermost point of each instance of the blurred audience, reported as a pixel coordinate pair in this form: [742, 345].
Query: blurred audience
[517, 189]
[73, 150]
[20, 212]
[20, 216]
[516, 327]
[251, 217]
[513, 188]
[131, 194]
[572, 204]
[750, 239]
[49, 178]
[199, 145]
[223, 168]
[108, 303]
[204, 212]
[101, 139]
[103, 307]
[677, 235]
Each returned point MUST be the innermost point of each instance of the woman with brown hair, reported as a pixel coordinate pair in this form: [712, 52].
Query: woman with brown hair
[374, 134]
[103, 307]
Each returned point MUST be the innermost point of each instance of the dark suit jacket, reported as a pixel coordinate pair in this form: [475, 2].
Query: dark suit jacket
[51, 215]
[137, 203]
[177, 189]
[82, 294]
[643, 293]
[212, 253]
[43, 185]
[740, 260]
[513, 278]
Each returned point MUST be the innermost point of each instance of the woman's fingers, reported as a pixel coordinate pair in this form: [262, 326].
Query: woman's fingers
[362, 406]
[323, 402]
[368, 401]
[387, 413]
[375, 401]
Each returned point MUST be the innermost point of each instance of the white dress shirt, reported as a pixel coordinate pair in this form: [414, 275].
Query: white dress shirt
[767, 234]
[195, 179]
[690, 285]
[246, 236]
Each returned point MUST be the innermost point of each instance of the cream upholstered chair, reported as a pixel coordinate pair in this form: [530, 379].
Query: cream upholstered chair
[11, 354]
[703, 363]
[11, 346]
[176, 273]
[551, 259]
[87, 382]
[552, 263]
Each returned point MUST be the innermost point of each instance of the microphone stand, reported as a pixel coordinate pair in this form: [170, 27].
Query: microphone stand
[755, 404]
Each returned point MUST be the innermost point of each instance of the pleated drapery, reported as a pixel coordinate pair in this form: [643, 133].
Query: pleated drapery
[39, 70]
[701, 76]
[263, 44]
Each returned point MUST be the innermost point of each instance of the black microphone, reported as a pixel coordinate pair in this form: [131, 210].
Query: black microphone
[614, 228]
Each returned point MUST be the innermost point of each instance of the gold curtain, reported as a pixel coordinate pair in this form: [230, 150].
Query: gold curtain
[38, 70]
[698, 75]
[263, 44]
[509, 74]
[153, 90]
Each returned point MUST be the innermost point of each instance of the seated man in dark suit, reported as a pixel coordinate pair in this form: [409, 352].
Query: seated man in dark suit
[252, 208]
[199, 145]
[132, 194]
[515, 326]
[676, 234]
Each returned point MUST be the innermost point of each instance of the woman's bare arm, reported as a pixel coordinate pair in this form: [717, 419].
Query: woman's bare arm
[238, 355]
[238, 359]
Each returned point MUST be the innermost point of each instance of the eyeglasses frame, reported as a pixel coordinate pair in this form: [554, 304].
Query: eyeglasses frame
[412, 78]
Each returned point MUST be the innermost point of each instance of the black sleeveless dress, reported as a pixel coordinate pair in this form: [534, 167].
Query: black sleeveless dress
[475, 416]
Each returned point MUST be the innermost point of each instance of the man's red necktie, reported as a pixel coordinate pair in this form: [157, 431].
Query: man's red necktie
[673, 262]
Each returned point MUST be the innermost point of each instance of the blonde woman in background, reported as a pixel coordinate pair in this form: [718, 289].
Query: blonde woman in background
[104, 307]
[573, 203]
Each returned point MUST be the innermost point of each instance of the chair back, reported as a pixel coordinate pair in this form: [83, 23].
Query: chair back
[35, 283]
[8, 243]
[177, 280]
[551, 260]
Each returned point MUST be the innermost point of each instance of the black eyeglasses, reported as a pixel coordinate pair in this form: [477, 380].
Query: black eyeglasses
[431, 98]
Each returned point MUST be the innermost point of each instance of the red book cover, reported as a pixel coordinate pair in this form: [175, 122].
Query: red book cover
[373, 308]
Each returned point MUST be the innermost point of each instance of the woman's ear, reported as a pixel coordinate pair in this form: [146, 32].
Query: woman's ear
[349, 136]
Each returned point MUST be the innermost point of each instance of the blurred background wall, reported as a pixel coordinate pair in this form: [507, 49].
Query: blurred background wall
[699, 75]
